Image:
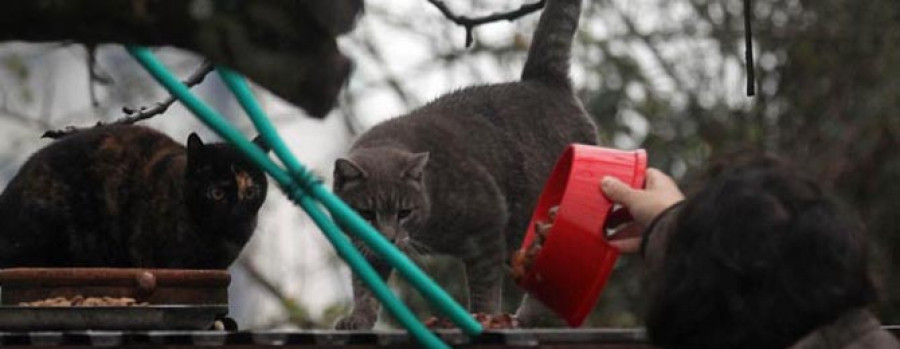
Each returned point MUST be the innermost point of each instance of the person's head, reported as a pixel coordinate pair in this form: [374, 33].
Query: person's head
[758, 258]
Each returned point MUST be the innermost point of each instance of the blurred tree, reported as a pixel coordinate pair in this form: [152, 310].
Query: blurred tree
[837, 106]
[669, 76]
[827, 99]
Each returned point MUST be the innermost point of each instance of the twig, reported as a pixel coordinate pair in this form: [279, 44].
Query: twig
[26, 120]
[48, 89]
[297, 315]
[469, 22]
[723, 34]
[351, 120]
[389, 76]
[257, 276]
[748, 38]
[93, 74]
[666, 66]
[143, 113]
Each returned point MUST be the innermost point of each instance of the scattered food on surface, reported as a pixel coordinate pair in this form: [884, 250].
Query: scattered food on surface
[80, 301]
[489, 322]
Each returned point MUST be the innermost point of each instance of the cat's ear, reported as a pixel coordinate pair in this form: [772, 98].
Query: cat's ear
[194, 143]
[345, 172]
[261, 143]
[416, 166]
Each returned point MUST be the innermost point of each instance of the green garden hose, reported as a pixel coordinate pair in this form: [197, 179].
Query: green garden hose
[305, 190]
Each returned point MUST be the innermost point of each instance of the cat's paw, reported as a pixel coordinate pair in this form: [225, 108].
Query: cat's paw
[354, 322]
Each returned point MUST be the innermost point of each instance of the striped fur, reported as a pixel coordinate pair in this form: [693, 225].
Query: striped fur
[460, 175]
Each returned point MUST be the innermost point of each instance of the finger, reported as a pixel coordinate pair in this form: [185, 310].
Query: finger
[616, 190]
[629, 231]
[654, 178]
[665, 186]
[627, 245]
[660, 180]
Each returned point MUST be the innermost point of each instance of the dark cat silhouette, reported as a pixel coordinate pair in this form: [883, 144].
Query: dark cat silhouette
[460, 175]
[129, 196]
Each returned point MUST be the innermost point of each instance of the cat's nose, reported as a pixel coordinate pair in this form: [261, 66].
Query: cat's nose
[389, 233]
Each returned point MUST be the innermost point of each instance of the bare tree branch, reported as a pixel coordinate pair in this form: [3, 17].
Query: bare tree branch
[390, 78]
[297, 315]
[471, 22]
[142, 113]
[351, 120]
[666, 66]
[24, 119]
[748, 41]
[723, 33]
[48, 88]
[94, 74]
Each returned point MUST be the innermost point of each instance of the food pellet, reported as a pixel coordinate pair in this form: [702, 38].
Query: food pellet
[523, 259]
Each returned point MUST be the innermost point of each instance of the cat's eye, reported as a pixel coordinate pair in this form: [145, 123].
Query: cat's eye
[215, 193]
[251, 193]
[402, 214]
[368, 215]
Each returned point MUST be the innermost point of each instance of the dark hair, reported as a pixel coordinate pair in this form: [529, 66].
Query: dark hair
[757, 259]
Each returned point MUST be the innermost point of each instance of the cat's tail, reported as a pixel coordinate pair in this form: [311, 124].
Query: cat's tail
[548, 57]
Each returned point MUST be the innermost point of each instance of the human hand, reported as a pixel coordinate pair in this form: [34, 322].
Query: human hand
[644, 205]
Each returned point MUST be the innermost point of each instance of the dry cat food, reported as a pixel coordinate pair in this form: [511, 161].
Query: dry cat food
[522, 261]
[80, 301]
[489, 322]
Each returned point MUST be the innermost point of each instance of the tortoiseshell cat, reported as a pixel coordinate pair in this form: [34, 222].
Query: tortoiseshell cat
[460, 175]
[129, 196]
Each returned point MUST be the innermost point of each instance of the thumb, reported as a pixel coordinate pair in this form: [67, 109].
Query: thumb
[617, 191]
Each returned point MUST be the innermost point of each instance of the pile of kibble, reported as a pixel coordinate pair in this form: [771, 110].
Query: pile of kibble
[523, 259]
[489, 322]
[80, 301]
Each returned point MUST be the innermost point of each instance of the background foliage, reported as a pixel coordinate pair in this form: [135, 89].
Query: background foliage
[668, 76]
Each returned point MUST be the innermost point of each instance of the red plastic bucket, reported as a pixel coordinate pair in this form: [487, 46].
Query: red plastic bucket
[575, 261]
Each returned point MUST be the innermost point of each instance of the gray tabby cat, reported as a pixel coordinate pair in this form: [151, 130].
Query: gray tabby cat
[460, 175]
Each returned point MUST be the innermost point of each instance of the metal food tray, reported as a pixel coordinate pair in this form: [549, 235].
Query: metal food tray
[120, 318]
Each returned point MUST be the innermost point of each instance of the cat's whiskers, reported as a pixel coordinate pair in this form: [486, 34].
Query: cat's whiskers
[405, 246]
[365, 250]
[414, 249]
[420, 248]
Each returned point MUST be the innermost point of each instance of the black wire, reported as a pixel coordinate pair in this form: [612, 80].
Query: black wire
[748, 39]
